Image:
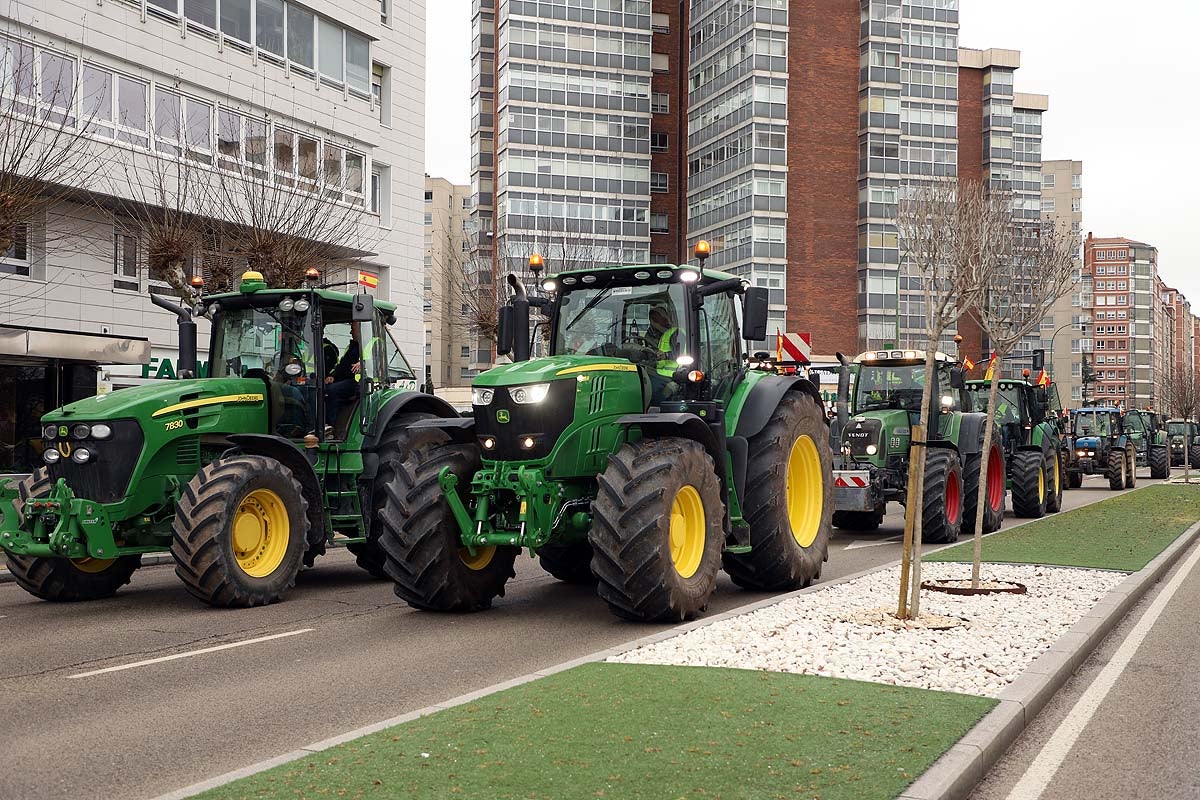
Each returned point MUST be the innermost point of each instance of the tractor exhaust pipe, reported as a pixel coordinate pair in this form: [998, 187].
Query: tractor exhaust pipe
[520, 318]
[843, 395]
[187, 335]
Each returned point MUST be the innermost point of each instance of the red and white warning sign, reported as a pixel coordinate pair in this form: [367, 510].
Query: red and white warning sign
[794, 347]
[851, 480]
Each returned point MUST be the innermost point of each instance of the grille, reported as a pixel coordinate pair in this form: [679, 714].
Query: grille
[105, 478]
[544, 421]
[861, 434]
[596, 403]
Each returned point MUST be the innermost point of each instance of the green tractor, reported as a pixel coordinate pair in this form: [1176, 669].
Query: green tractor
[1184, 437]
[1101, 445]
[1149, 434]
[235, 474]
[872, 466]
[1034, 449]
[642, 454]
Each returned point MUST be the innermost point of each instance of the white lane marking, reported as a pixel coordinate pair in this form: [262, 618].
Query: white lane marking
[858, 544]
[1039, 774]
[189, 654]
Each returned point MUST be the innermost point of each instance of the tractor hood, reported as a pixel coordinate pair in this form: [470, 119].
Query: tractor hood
[139, 401]
[539, 370]
[875, 429]
[1087, 443]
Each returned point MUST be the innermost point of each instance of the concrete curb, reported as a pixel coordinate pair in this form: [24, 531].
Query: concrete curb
[148, 560]
[955, 775]
[968, 756]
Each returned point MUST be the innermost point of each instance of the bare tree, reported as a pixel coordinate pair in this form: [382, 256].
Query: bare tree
[1024, 269]
[940, 231]
[1184, 397]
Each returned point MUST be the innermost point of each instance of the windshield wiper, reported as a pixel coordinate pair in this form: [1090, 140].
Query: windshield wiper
[590, 305]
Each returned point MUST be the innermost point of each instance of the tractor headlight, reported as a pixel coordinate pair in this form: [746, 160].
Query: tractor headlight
[81, 455]
[489, 443]
[482, 397]
[50, 431]
[80, 431]
[872, 449]
[528, 395]
[101, 431]
[51, 456]
[527, 442]
[286, 304]
[302, 305]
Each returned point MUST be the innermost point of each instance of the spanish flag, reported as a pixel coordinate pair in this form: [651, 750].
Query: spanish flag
[991, 367]
[968, 364]
[367, 279]
[1043, 379]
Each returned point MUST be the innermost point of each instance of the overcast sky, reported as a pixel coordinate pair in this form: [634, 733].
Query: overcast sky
[1124, 86]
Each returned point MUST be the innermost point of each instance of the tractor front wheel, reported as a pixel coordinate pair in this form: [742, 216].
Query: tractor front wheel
[1160, 461]
[1193, 456]
[789, 500]
[993, 512]
[1054, 482]
[1116, 469]
[570, 563]
[1075, 480]
[1029, 483]
[240, 532]
[1131, 468]
[657, 530]
[421, 541]
[65, 579]
[942, 512]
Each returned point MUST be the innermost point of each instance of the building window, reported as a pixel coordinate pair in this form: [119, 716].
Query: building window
[428, 197]
[235, 19]
[1076, 205]
[330, 53]
[658, 143]
[428, 218]
[660, 103]
[374, 191]
[125, 261]
[300, 22]
[1048, 206]
[1076, 181]
[658, 182]
[1048, 180]
[658, 223]
[660, 23]
[15, 259]
[383, 10]
[465, 351]
[268, 20]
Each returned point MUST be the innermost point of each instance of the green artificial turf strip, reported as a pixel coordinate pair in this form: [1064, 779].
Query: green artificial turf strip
[1124, 533]
[638, 731]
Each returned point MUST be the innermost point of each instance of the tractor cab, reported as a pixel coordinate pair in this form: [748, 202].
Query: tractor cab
[893, 380]
[1020, 409]
[1184, 439]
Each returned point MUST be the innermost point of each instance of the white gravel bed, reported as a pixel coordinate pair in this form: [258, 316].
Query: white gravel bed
[810, 634]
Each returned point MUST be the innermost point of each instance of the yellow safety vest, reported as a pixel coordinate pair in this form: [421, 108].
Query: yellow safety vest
[667, 367]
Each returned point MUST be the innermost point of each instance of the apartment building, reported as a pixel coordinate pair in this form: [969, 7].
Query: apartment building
[449, 266]
[319, 95]
[1062, 204]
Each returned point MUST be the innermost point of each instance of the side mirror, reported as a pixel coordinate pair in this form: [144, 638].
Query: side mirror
[1042, 396]
[363, 309]
[504, 331]
[754, 314]
[958, 378]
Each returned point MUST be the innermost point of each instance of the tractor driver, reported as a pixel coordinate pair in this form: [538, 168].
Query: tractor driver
[663, 338]
[341, 383]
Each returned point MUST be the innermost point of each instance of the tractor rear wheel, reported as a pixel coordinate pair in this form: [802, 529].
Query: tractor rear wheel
[1116, 469]
[394, 446]
[789, 500]
[993, 512]
[1193, 456]
[240, 532]
[1054, 482]
[1130, 468]
[657, 531]
[1075, 480]
[65, 579]
[858, 520]
[1160, 461]
[942, 512]
[1029, 488]
[570, 563]
[421, 541]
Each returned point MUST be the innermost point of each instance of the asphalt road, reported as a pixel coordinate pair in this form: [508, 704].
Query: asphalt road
[1143, 738]
[356, 655]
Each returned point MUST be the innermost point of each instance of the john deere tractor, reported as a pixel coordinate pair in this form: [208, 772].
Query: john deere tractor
[1185, 442]
[1149, 434]
[872, 467]
[1034, 450]
[1101, 445]
[641, 454]
[237, 475]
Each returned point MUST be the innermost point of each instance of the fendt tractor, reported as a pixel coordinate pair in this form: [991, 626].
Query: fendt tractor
[641, 454]
[288, 448]
[1185, 441]
[1101, 445]
[872, 467]
[1149, 434]
[1034, 448]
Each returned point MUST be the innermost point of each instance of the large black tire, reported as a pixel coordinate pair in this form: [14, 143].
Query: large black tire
[648, 492]
[1116, 469]
[420, 538]
[570, 563]
[993, 512]
[1029, 486]
[857, 520]
[1159, 460]
[264, 492]
[1193, 456]
[1054, 481]
[789, 500]
[63, 579]
[1130, 467]
[1075, 480]
[397, 442]
[942, 509]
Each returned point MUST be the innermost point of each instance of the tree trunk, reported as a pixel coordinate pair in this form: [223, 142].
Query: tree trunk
[917, 464]
[980, 505]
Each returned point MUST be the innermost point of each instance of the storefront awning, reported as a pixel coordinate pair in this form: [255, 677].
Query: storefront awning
[43, 343]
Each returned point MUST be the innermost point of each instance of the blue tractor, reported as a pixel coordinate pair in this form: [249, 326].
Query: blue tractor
[1101, 445]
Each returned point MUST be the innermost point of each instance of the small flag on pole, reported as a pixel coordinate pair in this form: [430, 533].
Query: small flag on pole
[968, 364]
[367, 279]
[1043, 379]
[991, 367]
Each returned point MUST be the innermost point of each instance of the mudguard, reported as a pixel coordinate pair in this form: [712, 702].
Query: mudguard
[406, 402]
[764, 399]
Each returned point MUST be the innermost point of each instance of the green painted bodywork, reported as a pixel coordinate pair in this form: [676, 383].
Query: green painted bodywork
[1045, 435]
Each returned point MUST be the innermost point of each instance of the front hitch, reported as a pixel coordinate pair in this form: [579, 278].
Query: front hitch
[59, 525]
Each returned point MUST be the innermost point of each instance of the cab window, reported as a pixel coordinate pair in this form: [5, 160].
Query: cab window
[719, 344]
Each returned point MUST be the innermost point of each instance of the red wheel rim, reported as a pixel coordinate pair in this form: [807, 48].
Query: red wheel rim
[995, 480]
[953, 498]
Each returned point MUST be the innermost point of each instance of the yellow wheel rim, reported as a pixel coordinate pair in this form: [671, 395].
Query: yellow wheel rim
[1057, 476]
[261, 531]
[482, 557]
[92, 565]
[805, 491]
[1042, 482]
[687, 531]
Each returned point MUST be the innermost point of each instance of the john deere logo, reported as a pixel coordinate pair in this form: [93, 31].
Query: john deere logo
[502, 416]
